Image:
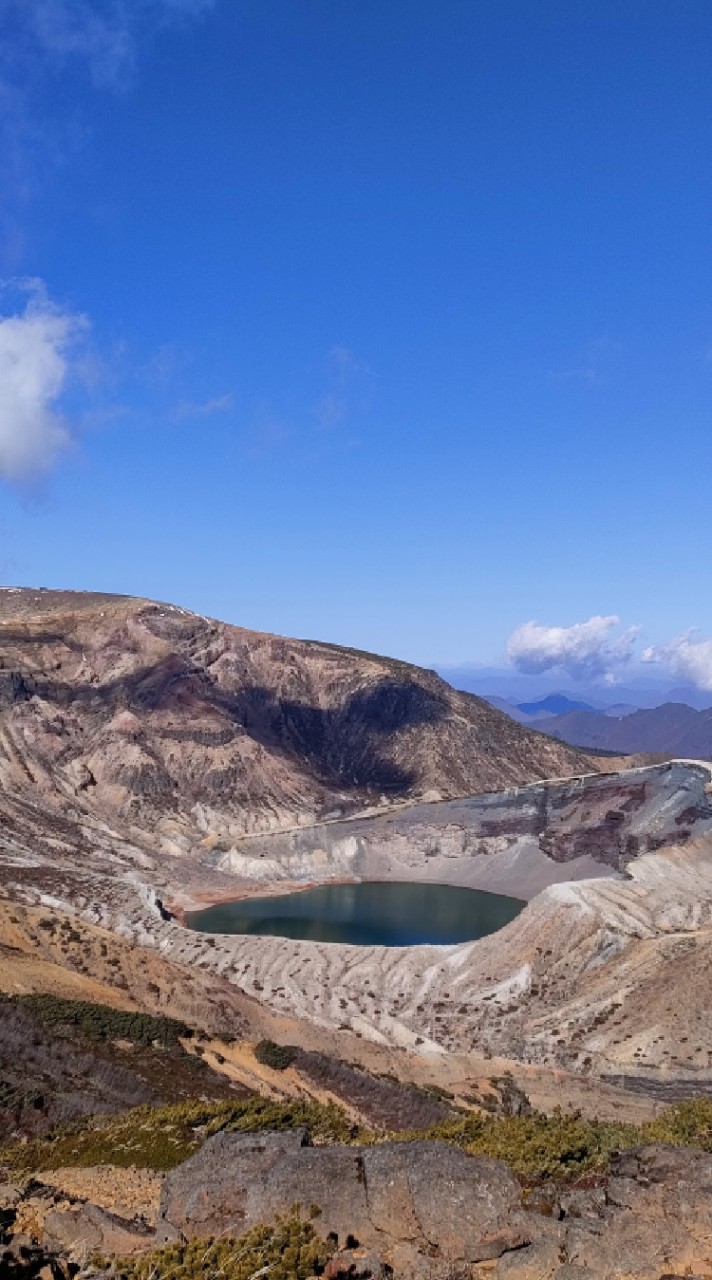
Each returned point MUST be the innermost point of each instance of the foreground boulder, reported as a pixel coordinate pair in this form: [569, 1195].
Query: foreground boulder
[404, 1201]
[427, 1209]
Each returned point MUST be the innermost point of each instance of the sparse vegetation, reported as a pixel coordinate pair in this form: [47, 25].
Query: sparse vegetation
[62, 1060]
[162, 1137]
[536, 1146]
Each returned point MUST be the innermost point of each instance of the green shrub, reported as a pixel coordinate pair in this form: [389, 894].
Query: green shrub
[561, 1145]
[289, 1249]
[100, 1022]
[688, 1124]
[550, 1146]
[536, 1146]
[276, 1056]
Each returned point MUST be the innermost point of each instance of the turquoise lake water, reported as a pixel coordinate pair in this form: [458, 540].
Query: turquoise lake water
[373, 913]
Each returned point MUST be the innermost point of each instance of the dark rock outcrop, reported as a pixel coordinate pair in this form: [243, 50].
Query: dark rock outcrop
[426, 1209]
[652, 1220]
[404, 1201]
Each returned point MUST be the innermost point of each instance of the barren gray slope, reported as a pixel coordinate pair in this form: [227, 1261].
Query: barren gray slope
[517, 841]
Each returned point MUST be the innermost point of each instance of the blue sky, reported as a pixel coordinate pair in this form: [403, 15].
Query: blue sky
[389, 324]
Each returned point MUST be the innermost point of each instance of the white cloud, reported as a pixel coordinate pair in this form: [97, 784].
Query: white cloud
[38, 346]
[687, 657]
[584, 650]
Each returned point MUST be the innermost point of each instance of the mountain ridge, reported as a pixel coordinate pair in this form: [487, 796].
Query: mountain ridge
[146, 711]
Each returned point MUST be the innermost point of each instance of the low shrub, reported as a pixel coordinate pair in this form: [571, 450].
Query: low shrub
[561, 1145]
[537, 1146]
[276, 1056]
[688, 1124]
[289, 1249]
[101, 1022]
[552, 1146]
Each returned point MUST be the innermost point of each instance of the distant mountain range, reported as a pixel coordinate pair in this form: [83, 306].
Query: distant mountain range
[671, 729]
[674, 729]
[557, 704]
[643, 687]
[535, 713]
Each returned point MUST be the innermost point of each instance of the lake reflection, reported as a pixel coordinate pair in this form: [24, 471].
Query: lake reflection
[368, 914]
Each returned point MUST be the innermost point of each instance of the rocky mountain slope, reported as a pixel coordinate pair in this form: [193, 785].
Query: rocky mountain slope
[518, 841]
[147, 716]
[151, 760]
[474, 1187]
[605, 975]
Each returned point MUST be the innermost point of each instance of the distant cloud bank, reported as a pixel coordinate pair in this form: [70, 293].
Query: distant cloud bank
[38, 344]
[590, 651]
[688, 657]
[584, 650]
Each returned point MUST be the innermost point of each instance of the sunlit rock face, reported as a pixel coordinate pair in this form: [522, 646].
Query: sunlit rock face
[148, 714]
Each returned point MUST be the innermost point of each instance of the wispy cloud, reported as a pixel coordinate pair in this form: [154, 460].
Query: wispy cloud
[688, 656]
[204, 408]
[105, 37]
[583, 650]
[347, 388]
[347, 363]
[268, 433]
[40, 40]
[298, 423]
[592, 364]
[39, 355]
[330, 411]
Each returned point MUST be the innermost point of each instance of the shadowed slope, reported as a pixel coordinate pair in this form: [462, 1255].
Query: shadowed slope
[131, 710]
